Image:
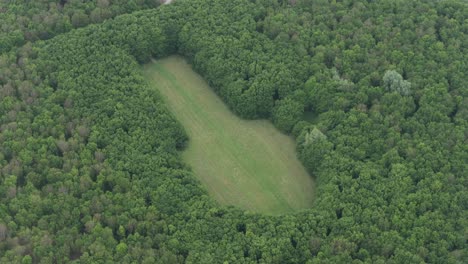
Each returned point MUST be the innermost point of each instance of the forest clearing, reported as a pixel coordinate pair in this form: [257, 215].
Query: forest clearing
[248, 163]
[233, 131]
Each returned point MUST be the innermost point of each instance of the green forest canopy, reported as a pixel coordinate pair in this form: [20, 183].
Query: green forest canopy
[25, 20]
[90, 163]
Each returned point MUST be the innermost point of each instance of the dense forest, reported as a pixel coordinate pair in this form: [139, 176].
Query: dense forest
[90, 165]
[25, 20]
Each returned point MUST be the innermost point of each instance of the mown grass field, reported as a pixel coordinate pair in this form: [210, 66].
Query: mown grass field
[246, 163]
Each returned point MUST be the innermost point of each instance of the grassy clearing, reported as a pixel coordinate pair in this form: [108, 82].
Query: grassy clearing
[245, 163]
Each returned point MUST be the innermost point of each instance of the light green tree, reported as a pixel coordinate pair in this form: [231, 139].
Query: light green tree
[393, 82]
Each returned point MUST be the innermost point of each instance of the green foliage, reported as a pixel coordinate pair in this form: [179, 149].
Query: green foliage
[33, 20]
[26, 260]
[121, 249]
[287, 113]
[87, 148]
[393, 82]
[313, 147]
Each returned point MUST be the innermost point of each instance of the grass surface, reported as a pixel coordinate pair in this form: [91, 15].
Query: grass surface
[247, 163]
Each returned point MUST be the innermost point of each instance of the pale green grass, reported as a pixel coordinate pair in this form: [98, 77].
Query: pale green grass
[245, 163]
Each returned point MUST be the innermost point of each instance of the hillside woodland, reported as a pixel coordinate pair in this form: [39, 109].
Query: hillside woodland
[90, 160]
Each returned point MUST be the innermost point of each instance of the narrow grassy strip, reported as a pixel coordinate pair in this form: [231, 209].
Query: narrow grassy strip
[247, 163]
